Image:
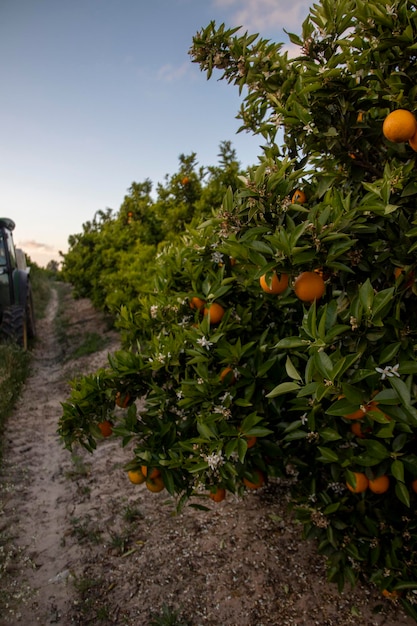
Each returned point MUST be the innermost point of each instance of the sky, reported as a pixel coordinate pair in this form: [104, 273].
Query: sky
[97, 94]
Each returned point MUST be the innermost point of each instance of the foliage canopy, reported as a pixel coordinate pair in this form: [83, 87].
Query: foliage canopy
[298, 371]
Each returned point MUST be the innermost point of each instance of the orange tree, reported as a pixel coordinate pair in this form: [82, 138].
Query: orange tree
[320, 377]
[111, 261]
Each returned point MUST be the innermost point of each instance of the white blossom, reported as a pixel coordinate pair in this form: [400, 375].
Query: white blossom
[389, 371]
[217, 257]
[214, 460]
[204, 343]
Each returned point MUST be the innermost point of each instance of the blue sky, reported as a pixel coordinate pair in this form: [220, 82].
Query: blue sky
[97, 94]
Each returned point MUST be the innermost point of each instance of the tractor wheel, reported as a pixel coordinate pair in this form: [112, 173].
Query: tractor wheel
[30, 316]
[14, 326]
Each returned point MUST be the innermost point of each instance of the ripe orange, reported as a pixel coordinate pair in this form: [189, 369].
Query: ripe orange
[413, 142]
[218, 494]
[278, 285]
[391, 595]
[399, 126]
[123, 400]
[136, 477]
[379, 485]
[398, 271]
[356, 415]
[255, 485]
[196, 303]
[357, 430]
[154, 473]
[414, 485]
[215, 312]
[359, 118]
[299, 197]
[227, 376]
[309, 286]
[251, 441]
[106, 428]
[361, 483]
[185, 180]
[155, 484]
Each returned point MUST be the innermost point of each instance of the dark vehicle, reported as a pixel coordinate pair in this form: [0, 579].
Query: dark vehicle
[17, 320]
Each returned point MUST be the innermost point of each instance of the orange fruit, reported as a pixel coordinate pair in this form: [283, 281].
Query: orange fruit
[361, 483]
[278, 285]
[379, 485]
[255, 485]
[123, 400]
[218, 494]
[106, 428]
[359, 118]
[251, 441]
[185, 180]
[196, 303]
[413, 142]
[299, 197]
[136, 477]
[391, 595]
[154, 473]
[399, 126]
[309, 286]
[398, 271]
[215, 312]
[155, 484]
[357, 430]
[414, 485]
[356, 415]
[227, 376]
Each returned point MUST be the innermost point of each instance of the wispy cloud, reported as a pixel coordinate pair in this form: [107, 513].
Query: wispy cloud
[36, 246]
[169, 73]
[266, 15]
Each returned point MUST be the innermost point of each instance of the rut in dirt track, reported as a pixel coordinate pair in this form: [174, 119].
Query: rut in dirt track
[36, 493]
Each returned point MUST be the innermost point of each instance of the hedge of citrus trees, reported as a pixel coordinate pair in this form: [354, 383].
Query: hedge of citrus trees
[280, 338]
[111, 261]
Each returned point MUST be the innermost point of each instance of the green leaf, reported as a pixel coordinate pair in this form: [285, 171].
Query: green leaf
[366, 296]
[376, 449]
[292, 342]
[328, 455]
[332, 508]
[291, 370]
[205, 430]
[242, 446]
[402, 390]
[397, 470]
[402, 494]
[323, 364]
[230, 447]
[282, 389]
[329, 434]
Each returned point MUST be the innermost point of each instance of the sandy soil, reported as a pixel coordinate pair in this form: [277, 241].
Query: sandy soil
[81, 545]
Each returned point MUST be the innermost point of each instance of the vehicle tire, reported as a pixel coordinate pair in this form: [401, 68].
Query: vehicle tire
[14, 325]
[30, 316]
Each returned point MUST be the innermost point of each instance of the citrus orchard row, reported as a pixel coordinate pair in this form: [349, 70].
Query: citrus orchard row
[314, 388]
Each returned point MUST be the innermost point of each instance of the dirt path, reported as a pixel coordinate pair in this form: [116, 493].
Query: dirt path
[87, 547]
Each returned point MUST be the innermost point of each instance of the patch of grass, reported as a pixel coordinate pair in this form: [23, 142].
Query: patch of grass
[80, 468]
[168, 617]
[14, 369]
[92, 342]
[132, 513]
[84, 531]
[120, 541]
[41, 289]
